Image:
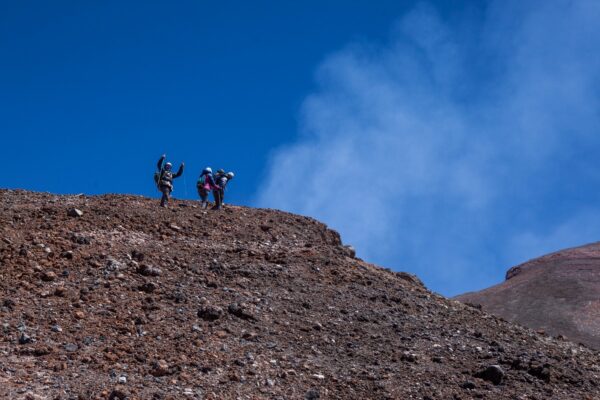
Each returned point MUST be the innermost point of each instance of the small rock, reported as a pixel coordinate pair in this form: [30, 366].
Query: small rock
[122, 380]
[56, 328]
[24, 339]
[408, 356]
[492, 373]
[540, 371]
[240, 310]
[80, 239]
[148, 287]
[48, 276]
[71, 347]
[350, 251]
[137, 256]
[175, 227]
[467, 385]
[117, 395]
[250, 336]
[160, 368]
[75, 213]
[8, 303]
[210, 313]
[112, 264]
[312, 394]
[148, 270]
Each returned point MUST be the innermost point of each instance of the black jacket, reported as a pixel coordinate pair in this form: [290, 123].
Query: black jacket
[166, 177]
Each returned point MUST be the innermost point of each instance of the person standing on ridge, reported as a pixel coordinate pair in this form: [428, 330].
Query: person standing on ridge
[219, 194]
[219, 173]
[164, 179]
[205, 184]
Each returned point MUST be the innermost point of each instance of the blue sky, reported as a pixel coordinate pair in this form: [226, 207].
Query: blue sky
[447, 139]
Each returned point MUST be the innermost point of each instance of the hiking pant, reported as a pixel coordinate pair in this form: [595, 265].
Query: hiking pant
[203, 193]
[218, 199]
[166, 195]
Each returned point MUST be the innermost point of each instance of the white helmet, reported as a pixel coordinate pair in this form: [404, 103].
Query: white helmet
[168, 165]
[230, 175]
[208, 169]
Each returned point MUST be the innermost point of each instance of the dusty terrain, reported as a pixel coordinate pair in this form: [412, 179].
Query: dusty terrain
[127, 300]
[558, 293]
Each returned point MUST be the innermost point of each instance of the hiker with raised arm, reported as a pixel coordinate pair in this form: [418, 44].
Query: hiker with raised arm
[164, 179]
[206, 183]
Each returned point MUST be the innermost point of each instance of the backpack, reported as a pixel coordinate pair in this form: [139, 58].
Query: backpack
[157, 178]
[201, 181]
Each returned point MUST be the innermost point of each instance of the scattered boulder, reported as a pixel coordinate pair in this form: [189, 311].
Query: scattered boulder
[210, 313]
[409, 357]
[80, 239]
[241, 310]
[137, 256]
[492, 373]
[67, 254]
[117, 394]
[312, 394]
[467, 385]
[71, 347]
[160, 368]
[349, 250]
[540, 371]
[75, 213]
[8, 303]
[48, 276]
[176, 228]
[148, 287]
[148, 270]
[25, 338]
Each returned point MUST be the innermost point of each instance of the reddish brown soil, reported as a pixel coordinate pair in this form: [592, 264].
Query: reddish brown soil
[133, 301]
[558, 293]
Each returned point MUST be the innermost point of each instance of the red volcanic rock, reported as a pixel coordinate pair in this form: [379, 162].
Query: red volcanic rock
[557, 294]
[242, 303]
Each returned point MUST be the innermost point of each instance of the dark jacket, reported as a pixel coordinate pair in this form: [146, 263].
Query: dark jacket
[222, 181]
[166, 177]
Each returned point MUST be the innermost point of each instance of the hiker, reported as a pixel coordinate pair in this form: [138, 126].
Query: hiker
[205, 184]
[221, 180]
[164, 179]
[220, 172]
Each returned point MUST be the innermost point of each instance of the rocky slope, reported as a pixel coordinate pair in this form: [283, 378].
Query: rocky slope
[558, 293]
[127, 300]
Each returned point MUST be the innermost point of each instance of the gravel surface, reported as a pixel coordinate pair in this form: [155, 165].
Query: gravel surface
[124, 300]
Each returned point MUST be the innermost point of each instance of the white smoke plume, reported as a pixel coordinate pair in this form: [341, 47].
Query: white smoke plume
[439, 150]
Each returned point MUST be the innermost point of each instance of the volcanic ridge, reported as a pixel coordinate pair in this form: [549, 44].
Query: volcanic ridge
[112, 297]
[558, 294]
